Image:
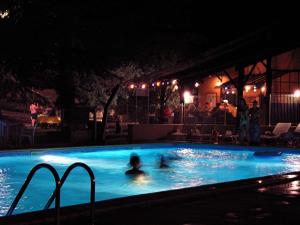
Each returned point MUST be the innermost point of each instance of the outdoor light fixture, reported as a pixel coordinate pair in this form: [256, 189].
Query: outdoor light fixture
[219, 83]
[263, 89]
[188, 98]
[233, 92]
[226, 88]
[176, 87]
[158, 83]
[197, 84]
[297, 93]
[143, 86]
[131, 86]
[153, 84]
[227, 92]
[174, 82]
[247, 88]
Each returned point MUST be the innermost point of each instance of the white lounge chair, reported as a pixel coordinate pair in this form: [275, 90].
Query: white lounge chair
[279, 129]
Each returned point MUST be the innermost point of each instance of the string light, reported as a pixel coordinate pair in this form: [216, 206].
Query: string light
[158, 83]
[4, 14]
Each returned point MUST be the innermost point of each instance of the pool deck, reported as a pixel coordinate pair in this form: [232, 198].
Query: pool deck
[268, 200]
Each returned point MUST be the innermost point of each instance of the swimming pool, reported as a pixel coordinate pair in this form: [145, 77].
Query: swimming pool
[189, 165]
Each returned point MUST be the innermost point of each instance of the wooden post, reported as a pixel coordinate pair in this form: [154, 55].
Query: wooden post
[95, 124]
[105, 113]
[240, 84]
[240, 90]
[269, 78]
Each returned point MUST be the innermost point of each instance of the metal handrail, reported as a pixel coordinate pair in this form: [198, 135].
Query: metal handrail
[92, 194]
[26, 183]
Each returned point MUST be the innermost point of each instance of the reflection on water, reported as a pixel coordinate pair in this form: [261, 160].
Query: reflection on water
[187, 167]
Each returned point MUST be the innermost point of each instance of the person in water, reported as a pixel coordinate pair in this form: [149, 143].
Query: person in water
[135, 164]
[163, 162]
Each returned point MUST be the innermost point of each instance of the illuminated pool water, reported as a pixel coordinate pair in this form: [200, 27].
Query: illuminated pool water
[196, 165]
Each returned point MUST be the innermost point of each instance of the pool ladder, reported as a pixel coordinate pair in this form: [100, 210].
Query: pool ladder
[56, 193]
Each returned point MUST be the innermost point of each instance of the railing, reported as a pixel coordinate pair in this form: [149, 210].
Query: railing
[92, 193]
[26, 183]
[58, 184]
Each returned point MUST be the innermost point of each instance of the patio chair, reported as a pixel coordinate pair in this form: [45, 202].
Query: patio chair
[296, 136]
[229, 136]
[278, 131]
[204, 135]
[179, 135]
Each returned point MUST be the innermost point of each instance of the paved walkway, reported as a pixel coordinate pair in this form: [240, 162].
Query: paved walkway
[277, 204]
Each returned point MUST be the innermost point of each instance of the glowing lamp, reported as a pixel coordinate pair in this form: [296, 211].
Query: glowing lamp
[197, 84]
[188, 98]
[263, 89]
[143, 86]
[131, 86]
[218, 83]
[176, 87]
[158, 83]
[233, 92]
[247, 88]
[297, 93]
[174, 82]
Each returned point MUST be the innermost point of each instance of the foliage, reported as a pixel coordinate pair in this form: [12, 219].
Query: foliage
[94, 89]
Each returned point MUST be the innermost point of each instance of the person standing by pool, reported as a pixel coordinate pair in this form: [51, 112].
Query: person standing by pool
[254, 126]
[243, 124]
[135, 164]
[34, 112]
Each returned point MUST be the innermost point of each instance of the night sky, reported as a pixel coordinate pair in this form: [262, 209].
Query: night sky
[103, 34]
